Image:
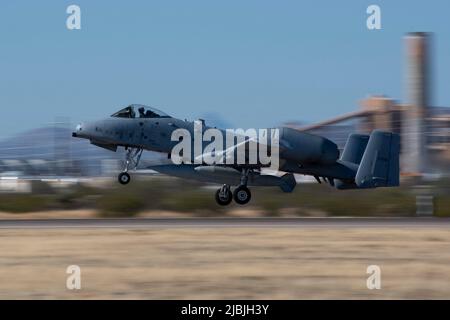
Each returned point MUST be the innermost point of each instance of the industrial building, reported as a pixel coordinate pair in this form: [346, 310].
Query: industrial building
[424, 129]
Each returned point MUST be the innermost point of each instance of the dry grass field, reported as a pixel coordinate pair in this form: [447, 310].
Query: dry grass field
[225, 263]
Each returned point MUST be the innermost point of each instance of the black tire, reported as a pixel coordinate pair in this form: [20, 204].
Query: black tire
[124, 178]
[242, 195]
[221, 201]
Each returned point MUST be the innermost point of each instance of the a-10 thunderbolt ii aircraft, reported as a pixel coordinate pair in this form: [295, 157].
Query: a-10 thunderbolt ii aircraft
[367, 161]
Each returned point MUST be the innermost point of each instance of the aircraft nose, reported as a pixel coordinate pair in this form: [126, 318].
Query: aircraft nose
[78, 129]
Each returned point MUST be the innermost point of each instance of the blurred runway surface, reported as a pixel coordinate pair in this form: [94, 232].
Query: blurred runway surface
[145, 223]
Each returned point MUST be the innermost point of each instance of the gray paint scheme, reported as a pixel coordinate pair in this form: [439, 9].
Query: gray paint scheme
[366, 161]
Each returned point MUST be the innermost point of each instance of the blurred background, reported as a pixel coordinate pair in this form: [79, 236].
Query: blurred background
[45, 168]
[310, 65]
[269, 70]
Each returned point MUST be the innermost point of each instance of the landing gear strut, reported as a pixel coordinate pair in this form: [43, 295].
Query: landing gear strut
[132, 157]
[241, 194]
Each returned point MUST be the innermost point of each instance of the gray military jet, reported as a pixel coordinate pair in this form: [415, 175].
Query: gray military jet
[367, 161]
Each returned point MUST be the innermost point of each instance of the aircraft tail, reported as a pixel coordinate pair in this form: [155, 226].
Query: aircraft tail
[354, 148]
[379, 164]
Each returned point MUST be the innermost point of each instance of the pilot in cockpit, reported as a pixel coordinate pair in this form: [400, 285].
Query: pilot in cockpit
[150, 114]
[141, 112]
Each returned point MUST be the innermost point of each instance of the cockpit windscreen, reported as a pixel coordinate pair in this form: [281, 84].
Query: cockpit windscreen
[142, 112]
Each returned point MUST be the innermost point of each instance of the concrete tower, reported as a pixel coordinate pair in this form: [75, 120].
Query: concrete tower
[418, 93]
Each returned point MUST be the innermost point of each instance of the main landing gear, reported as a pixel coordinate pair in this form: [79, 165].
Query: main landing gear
[132, 157]
[224, 195]
[241, 194]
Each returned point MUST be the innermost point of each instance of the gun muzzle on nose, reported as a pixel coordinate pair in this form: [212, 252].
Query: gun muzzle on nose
[78, 129]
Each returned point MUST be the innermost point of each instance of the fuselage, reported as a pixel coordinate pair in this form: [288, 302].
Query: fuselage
[298, 152]
[149, 134]
[236, 157]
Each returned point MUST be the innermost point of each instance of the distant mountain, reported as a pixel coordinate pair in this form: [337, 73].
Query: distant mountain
[48, 143]
[58, 149]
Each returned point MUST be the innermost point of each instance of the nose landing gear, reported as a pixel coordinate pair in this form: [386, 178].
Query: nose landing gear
[124, 178]
[133, 156]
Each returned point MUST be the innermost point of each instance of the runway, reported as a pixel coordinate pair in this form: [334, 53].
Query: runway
[148, 223]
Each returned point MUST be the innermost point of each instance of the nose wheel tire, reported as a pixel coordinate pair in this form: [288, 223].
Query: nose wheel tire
[224, 196]
[242, 195]
[124, 178]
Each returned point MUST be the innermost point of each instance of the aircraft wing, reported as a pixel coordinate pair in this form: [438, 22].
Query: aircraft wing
[224, 174]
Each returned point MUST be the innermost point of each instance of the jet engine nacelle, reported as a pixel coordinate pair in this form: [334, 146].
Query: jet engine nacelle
[305, 148]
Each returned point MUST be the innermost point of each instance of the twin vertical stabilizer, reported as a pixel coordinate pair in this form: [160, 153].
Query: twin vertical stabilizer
[376, 157]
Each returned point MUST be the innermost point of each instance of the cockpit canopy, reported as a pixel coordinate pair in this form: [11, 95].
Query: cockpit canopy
[140, 111]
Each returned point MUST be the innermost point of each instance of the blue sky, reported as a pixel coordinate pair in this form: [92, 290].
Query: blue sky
[252, 63]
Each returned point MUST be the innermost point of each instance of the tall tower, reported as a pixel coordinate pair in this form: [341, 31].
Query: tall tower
[418, 93]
